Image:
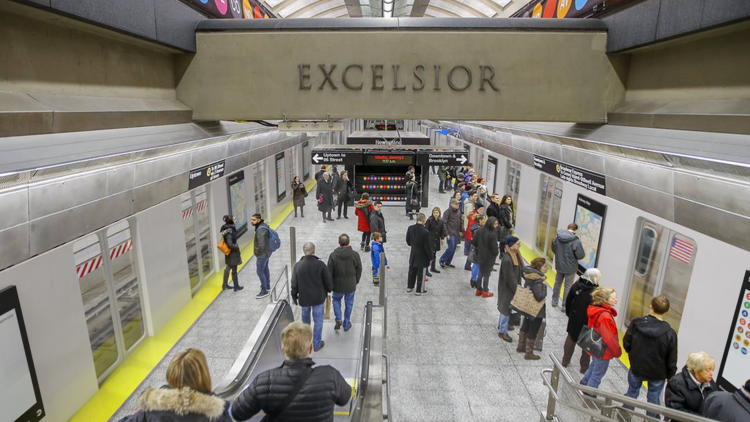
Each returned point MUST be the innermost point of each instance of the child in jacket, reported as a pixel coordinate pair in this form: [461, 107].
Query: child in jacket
[377, 248]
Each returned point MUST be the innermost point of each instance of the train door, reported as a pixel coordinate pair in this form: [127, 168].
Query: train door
[195, 220]
[293, 164]
[110, 291]
[514, 183]
[663, 266]
[549, 215]
[259, 170]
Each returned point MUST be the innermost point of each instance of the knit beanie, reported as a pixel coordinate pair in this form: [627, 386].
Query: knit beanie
[511, 240]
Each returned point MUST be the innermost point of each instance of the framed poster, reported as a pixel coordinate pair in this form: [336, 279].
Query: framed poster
[735, 365]
[491, 175]
[20, 397]
[280, 176]
[589, 217]
[238, 201]
[305, 160]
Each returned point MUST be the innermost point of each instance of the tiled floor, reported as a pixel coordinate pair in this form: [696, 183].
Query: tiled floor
[447, 362]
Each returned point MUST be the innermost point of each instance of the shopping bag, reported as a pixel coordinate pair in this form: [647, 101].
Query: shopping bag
[327, 309]
[525, 303]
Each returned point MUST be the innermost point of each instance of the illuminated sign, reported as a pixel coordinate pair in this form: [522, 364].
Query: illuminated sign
[386, 159]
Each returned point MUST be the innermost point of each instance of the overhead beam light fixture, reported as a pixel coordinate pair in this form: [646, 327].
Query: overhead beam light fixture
[387, 13]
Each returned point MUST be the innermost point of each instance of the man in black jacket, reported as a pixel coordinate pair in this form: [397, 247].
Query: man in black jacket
[311, 283]
[487, 248]
[377, 221]
[314, 391]
[418, 237]
[652, 346]
[454, 227]
[345, 267]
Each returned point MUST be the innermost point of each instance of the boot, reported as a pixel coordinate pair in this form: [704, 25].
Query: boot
[361, 246]
[487, 294]
[473, 284]
[479, 292]
[521, 342]
[432, 268]
[530, 350]
[367, 248]
[428, 274]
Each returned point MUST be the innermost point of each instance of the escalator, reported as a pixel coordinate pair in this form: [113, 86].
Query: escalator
[356, 354]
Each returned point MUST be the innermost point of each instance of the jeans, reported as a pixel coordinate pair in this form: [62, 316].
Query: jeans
[348, 302]
[261, 265]
[569, 278]
[595, 373]
[447, 256]
[654, 391]
[474, 272]
[235, 280]
[502, 324]
[317, 316]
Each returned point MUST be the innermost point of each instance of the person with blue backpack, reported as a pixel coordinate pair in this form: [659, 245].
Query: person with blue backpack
[266, 242]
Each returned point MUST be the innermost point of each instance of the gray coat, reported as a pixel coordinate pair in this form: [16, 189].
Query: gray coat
[260, 245]
[568, 250]
[727, 407]
[507, 283]
[325, 191]
[377, 223]
[452, 221]
[345, 267]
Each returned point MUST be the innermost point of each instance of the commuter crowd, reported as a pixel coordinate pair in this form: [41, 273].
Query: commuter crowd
[299, 390]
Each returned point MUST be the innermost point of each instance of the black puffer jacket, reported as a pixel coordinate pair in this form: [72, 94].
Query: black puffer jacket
[179, 405]
[345, 267]
[652, 347]
[311, 281]
[577, 305]
[315, 402]
[229, 233]
[506, 222]
[682, 393]
[485, 242]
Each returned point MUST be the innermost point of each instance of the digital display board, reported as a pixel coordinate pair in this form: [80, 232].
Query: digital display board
[280, 176]
[589, 217]
[735, 365]
[20, 397]
[238, 201]
[388, 159]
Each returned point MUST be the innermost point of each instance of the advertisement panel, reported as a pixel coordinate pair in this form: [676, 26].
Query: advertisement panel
[280, 176]
[549, 9]
[238, 201]
[20, 397]
[491, 175]
[589, 217]
[305, 160]
[232, 9]
[735, 365]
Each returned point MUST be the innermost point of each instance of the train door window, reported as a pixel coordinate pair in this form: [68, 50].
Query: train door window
[292, 164]
[514, 183]
[663, 266]
[191, 244]
[125, 283]
[96, 303]
[260, 188]
[549, 215]
[204, 232]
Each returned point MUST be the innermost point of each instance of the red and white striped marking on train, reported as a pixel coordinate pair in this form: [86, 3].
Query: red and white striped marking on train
[200, 207]
[92, 265]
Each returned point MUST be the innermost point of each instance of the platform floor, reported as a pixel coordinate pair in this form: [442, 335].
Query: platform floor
[447, 363]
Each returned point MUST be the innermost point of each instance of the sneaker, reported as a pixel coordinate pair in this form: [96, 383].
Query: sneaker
[367, 248]
[487, 294]
[361, 246]
[322, 343]
[337, 326]
[348, 328]
[478, 293]
[409, 290]
[262, 294]
[442, 265]
[428, 274]
[420, 293]
[450, 265]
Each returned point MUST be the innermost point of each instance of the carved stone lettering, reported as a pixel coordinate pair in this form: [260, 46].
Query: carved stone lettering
[327, 77]
[304, 77]
[486, 73]
[468, 78]
[437, 78]
[377, 77]
[395, 79]
[419, 75]
[345, 81]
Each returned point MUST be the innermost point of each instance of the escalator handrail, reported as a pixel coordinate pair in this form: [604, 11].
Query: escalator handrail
[364, 372]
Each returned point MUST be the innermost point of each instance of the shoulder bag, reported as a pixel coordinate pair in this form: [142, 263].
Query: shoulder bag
[271, 414]
[525, 303]
[591, 341]
[223, 246]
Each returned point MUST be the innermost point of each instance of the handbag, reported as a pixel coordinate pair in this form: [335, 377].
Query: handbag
[327, 309]
[525, 303]
[320, 199]
[591, 341]
[223, 247]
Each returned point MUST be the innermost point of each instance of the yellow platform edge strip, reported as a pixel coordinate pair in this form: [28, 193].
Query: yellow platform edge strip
[124, 380]
[551, 273]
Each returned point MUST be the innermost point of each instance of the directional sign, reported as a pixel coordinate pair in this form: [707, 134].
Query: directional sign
[442, 158]
[205, 174]
[337, 157]
[594, 182]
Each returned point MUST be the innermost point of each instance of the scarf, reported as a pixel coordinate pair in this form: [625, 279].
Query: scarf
[513, 255]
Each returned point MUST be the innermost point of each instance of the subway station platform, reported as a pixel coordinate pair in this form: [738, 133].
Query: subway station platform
[447, 363]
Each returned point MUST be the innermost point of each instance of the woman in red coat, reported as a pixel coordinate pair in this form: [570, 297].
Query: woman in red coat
[602, 318]
[362, 209]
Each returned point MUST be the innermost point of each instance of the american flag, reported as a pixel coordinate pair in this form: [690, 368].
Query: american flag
[681, 250]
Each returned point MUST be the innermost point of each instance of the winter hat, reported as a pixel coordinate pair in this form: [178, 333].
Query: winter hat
[511, 240]
[322, 167]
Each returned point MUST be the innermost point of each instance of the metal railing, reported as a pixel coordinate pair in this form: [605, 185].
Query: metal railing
[599, 405]
[276, 292]
[383, 299]
[387, 381]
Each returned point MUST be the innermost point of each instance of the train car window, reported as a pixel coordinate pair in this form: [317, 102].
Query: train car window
[554, 219]
[545, 198]
[191, 244]
[260, 188]
[96, 303]
[514, 183]
[550, 200]
[663, 266]
[204, 232]
[125, 280]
